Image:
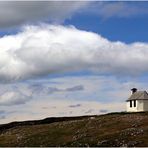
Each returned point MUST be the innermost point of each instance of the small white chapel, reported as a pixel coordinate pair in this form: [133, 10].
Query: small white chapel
[138, 101]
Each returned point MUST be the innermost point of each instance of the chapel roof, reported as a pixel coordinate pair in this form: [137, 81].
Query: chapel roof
[139, 95]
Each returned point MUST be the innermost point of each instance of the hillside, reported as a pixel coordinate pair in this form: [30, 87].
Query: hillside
[114, 129]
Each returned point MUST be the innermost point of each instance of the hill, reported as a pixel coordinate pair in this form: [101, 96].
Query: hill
[114, 129]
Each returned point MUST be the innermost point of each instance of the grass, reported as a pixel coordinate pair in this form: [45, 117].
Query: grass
[114, 129]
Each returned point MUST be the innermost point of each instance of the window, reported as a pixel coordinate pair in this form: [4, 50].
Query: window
[134, 103]
[130, 103]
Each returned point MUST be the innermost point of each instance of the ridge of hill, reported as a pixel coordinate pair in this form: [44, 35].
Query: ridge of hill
[113, 129]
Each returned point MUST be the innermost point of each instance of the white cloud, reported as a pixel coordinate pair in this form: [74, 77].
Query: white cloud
[50, 49]
[20, 93]
[10, 98]
[13, 13]
[103, 89]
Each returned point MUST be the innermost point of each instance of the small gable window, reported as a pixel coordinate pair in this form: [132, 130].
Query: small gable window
[130, 103]
[134, 103]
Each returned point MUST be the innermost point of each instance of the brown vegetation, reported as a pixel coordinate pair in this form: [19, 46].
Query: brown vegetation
[114, 129]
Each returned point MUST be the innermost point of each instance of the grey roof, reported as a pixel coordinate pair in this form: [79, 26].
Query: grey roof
[139, 95]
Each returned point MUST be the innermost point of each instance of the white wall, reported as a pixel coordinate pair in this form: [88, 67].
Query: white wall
[145, 105]
[141, 105]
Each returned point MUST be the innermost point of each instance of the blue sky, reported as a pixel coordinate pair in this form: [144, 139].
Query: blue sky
[70, 58]
[126, 29]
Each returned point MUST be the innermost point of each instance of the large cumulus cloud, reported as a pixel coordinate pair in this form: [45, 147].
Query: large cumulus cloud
[50, 49]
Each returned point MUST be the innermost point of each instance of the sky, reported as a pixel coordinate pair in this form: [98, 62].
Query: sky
[70, 58]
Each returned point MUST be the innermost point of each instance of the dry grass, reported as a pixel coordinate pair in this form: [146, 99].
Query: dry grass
[118, 129]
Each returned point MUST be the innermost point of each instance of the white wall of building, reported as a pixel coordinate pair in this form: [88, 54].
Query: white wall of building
[141, 105]
[145, 105]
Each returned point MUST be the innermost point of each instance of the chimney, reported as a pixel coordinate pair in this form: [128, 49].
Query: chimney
[133, 90]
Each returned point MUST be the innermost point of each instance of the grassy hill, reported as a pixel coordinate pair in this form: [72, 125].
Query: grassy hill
[114, 129]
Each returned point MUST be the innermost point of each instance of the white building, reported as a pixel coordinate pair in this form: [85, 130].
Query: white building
[138, 101]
